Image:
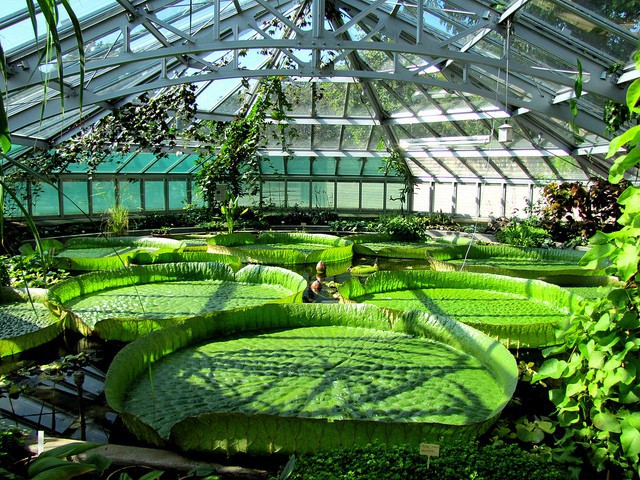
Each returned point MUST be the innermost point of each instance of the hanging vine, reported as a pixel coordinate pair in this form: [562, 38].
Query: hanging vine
[229, 150]
[396, 164]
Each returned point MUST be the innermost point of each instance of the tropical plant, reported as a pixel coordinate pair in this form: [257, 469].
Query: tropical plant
[395, 162]
[597, 367]
[572, 210]
[117, 221]
[231, 212]
[524, 233]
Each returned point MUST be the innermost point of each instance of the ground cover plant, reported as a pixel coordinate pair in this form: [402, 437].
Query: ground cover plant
[126, 302]
[519, 312]
[275, 248]
[338, 375]
[468, 460]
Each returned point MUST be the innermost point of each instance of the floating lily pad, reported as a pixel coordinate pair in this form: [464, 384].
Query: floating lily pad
[273, 248]
[25, 323]
[102, 253]
[310, 377]
[132, 301]
[519, 312]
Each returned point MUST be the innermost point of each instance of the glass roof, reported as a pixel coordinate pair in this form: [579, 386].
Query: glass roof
[363, 77]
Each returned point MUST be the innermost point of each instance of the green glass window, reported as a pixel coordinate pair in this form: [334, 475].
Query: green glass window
[103, 195]
[178, 194]
[76, 197]
[348, 196]
[298, 194]
[154, 195]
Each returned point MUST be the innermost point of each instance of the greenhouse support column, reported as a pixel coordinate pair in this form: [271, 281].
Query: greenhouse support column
[503, 200]
[454, 198]
[432, 195]
[478, 198]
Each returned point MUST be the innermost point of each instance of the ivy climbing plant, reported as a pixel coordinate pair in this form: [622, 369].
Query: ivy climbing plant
[596, 370]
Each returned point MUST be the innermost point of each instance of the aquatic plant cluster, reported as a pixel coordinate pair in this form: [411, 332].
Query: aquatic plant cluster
[226, 357]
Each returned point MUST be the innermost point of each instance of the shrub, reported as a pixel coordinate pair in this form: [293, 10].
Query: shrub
[524, 233]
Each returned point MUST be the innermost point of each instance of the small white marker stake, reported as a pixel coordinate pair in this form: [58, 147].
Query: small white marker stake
[430, 450]
[40, 441]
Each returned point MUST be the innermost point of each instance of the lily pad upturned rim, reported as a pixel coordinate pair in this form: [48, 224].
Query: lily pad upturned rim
[202, 432]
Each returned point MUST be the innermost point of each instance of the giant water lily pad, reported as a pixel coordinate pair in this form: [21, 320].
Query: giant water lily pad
[105, 253]
[273, 248]
[519, 312]
[26, 321]
[301, 378]
[122, 304]
[553, 265]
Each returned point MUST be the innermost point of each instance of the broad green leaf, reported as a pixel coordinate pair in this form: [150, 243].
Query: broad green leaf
[622, 164]
[627, 262]
[529, 436]
[607, 422]
[551, 368]
[630, 440]
[577, 87]
[633, 95]
[233, 432]
[64, 472]
[69, 450]
[153, 475]
[630, 136]
[596, 253]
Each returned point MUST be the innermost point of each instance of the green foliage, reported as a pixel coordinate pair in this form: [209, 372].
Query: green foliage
[30, 270]
[12, 443]
[571, 211]
[524, 233]
[456, 461]
[117, 222]
[596, 370]
[228, 150]
[400, 227]
[395, 163]
[232, 212]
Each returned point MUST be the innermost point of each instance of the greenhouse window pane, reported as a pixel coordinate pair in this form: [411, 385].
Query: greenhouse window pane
[350, 166]
[299, 166]
[491, 201]
[273, 193]
[76, 197]
[517, 199]
[355, 137]
[139, 163]
[130, 195]
[154, 195]
[348, 196]
[11, 209]
[443, 198]
[323, 195]
[186, 165]
[46, 202]
[330, 99]
[324, 165]
[422, 197]
[298, 194]
[163, 164]
[272, 165]
[394, 192]
[373, 196]
[103, 196]
[178, 194]
[467, 199]
[326, 136]
[112, 163]
[373, 166]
